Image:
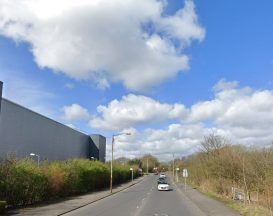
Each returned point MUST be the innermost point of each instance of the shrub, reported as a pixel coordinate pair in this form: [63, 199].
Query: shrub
[25, 183]
[57, 177]
[2, 206]
[220, 166]
[22, 182]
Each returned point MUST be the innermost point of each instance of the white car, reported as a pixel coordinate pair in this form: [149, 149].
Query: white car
[163, 186]
[162, 175]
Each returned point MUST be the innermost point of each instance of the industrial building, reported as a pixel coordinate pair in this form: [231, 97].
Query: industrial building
[23, 131]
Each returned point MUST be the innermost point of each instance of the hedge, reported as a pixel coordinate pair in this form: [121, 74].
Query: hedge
[2, 206]
[23, 183]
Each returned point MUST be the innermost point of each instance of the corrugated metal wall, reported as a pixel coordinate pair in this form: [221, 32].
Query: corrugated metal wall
[23, 131]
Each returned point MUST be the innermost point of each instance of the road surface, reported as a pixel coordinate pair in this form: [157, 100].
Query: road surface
[142, 199]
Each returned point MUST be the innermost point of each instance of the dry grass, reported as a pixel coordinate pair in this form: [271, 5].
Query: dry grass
[242, 208]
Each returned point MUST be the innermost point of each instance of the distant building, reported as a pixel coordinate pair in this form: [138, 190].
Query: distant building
[100, 144]
[23, 131]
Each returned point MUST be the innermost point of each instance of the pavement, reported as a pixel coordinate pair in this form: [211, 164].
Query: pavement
[207, 205]
[140, 199]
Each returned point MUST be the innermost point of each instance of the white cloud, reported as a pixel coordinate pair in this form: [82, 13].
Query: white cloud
[106, 41]
[235, 107]
[244, 114]
[75, 112]
[135, 109]
[225, 85]
[176, 138]
[241, 114]
[184, 24]
[69, 85]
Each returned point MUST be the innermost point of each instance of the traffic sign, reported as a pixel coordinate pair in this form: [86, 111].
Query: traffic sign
[185, 173]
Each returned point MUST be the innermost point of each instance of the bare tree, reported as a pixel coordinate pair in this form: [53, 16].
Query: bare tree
[212, 143]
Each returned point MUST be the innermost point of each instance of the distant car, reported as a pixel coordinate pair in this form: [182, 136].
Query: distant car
[161, 180]
[163, 186]
[162, 175]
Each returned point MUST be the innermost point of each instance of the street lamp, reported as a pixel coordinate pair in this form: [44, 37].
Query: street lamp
[132, 170]
[173, 166]
[111, 169]
[38, 157]
[177, 169]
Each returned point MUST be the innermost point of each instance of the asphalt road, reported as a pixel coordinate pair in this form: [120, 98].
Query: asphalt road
[142, 199]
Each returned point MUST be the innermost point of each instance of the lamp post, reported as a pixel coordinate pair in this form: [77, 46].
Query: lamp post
[177, 169]
[112, 158]
[147, 165]
[173, 165]
[38, 157]
[132, 170]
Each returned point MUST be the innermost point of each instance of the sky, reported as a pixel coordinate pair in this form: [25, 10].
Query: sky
[169, 72]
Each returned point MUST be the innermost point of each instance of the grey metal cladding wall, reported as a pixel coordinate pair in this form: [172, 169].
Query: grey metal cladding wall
[100, 143]
[102, 149]
[94, 150]
[23, 131]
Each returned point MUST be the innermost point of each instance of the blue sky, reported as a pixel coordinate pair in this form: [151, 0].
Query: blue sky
[234, 50]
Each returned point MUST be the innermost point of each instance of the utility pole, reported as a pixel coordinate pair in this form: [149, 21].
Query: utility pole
[173, 165]
[147, 165]
[111, 169]
[112, 158]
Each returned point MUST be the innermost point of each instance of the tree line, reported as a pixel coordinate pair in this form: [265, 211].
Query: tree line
[220, 166]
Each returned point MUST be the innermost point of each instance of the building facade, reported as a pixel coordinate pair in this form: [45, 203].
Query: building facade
[99, 142]
[23, 131]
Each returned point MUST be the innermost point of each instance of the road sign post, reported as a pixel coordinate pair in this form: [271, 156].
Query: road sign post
[185, 176]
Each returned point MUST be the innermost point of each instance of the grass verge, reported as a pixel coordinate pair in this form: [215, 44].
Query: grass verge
[242, 208]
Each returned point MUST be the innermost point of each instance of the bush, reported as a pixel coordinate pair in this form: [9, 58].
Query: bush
[2, 206]
[85, 175]
[22, 182]
[25, 183]
[57, 177]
